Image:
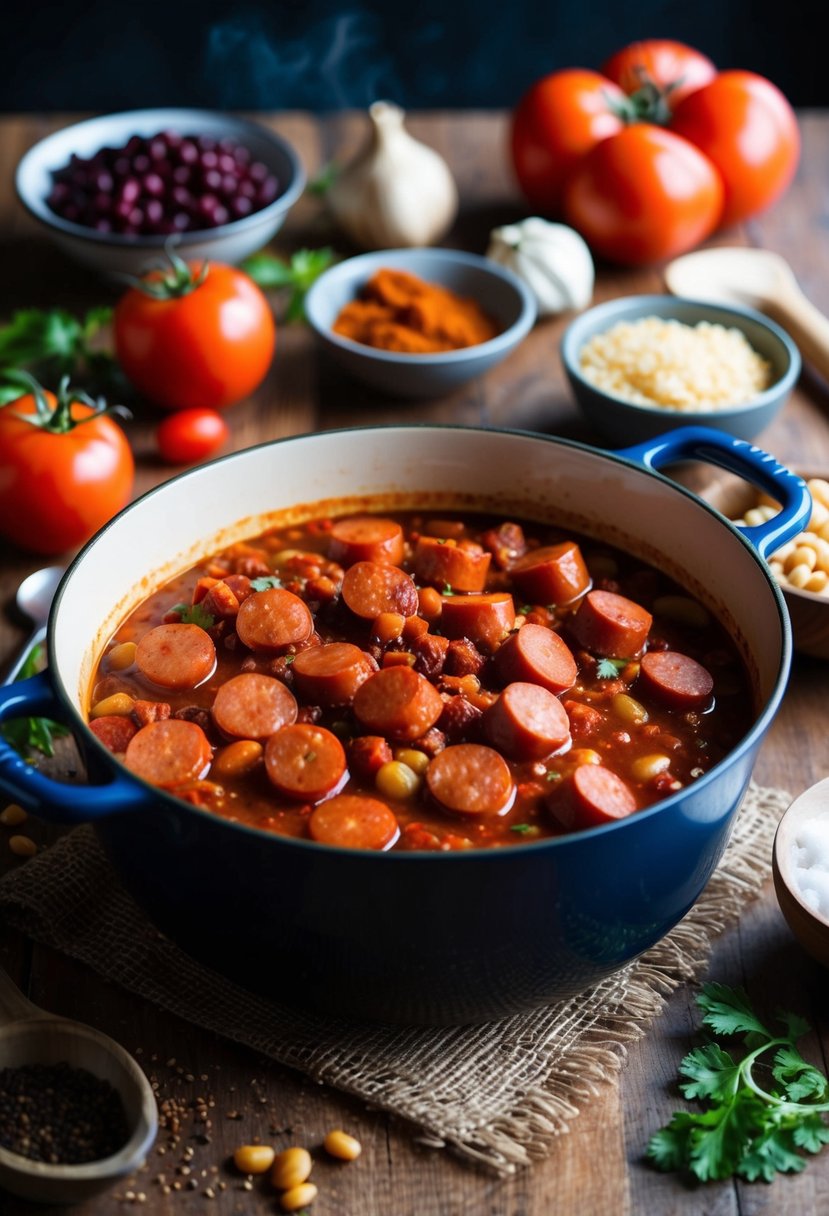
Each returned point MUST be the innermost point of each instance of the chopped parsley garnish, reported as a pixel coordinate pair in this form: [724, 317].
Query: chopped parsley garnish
[447, 589]
[746, 1128]
[552, 775]
[194, 614]
[266, 582]
[27, 735]
[525, 609]
[608, 669]
[524, 829]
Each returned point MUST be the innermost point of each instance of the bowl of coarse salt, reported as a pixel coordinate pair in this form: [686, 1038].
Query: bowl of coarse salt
[800, 864]
[642, 365]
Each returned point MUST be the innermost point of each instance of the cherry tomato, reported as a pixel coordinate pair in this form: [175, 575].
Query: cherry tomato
[746, 127]
[671, 66]
[204, 338]
[66, 468]
[191, 435]
[558, 120]
[644, 195]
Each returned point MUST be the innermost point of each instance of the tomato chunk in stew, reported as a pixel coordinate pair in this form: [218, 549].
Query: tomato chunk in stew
[421, 681]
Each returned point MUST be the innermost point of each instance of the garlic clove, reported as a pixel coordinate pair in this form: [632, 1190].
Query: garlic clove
[397, 192]
[552, 259]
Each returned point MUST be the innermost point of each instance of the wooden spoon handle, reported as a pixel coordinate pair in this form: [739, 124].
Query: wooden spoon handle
[806, 324]
[13, 1004]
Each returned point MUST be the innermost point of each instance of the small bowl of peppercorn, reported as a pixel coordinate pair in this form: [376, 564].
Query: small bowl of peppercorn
[76, 1111]
[113, 190]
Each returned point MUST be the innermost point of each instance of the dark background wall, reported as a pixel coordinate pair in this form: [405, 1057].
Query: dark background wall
[284, 54]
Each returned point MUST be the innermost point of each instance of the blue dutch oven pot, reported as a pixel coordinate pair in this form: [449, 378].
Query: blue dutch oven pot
[417, 937]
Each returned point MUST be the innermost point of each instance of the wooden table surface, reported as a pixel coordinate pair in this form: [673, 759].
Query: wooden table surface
[598, 1167]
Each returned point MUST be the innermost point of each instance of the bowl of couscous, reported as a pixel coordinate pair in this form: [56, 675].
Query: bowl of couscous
[642, 365]
[801, 566]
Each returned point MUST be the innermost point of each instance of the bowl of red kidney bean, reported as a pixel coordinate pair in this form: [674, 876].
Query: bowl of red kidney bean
[442, 723]
[113, 189]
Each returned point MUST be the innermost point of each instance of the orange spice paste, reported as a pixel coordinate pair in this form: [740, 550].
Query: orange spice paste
[400, 312]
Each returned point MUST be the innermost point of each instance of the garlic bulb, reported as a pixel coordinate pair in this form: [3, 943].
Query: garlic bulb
[397, 192]
[552, 259]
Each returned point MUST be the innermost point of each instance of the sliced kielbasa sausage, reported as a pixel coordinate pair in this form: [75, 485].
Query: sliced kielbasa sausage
[676, 679]
[271, 620]
[398, 702]
[536, 655]
[176, 655]
[554, 574]
[354, 821]
[598, 795]
[304, 761]
[169, 753]
[332, 673]
[527, 722]
[484, 619]
[114, 731]
[370, 588]
[471, 779]
[253, 706]
[447, 564]
[366, 538]
[611, 625]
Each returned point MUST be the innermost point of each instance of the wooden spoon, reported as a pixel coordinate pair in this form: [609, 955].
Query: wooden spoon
[29, 1035]
[754, 278]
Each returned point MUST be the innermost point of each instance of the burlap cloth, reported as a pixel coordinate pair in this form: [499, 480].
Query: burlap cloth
[498, 1094]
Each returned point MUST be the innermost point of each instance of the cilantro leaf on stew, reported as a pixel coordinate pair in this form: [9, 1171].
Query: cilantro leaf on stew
[763, 1107]
[194, 614]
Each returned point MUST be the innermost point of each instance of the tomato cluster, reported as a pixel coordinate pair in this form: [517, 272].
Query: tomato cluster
[650, 156]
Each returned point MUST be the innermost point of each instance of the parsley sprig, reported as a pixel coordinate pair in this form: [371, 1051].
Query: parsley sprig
[304, 268]
[194, 614]
[28, 735]
[749, 1128]
[53, 343]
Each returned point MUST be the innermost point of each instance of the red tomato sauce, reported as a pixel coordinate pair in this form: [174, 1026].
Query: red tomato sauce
[421, 681]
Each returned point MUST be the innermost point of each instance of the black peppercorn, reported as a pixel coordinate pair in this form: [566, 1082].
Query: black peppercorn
[60, 1114]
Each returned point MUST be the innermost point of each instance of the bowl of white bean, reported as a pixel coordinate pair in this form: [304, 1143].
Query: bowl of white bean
[801, 566]
[800, 864]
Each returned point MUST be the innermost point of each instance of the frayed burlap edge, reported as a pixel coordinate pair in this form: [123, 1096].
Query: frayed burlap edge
[441, 1082]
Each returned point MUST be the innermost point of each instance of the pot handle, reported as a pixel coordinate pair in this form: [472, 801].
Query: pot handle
[747, 461]
[57, 801]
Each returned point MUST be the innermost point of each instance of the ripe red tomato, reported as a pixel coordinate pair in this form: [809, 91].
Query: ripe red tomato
[558, 120]
[644, 195]
[743, 123]
[59, 486]
[209, 343]
[649, 198]
[672, 66]
[191, 435]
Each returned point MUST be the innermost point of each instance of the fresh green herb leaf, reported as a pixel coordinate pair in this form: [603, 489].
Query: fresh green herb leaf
[273, 274]
[525, 609]
[289, 658]
[608, 669]
[447, 589]
[194, 614]
[322, 183]
[552, 776]
[53, 343]
[28, 735]
[745, 1129]
[266, 582]
[523, 829]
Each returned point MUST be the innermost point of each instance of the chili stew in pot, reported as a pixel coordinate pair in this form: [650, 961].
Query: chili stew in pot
[421, 681]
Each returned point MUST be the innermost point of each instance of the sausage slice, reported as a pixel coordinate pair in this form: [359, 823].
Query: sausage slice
[253, 706]
[176, 655]
[676, 679]
[370, 588]
[599, 796]
[471, 779]
[398, 702]
[169, 753]
[354, 821]
[330, 674]
[537, 655]
[554, 574]
[611, 625]
[527, 722]
[445, 564]
[271, 620]
[305, 762]
[114, 731]
[366, 538]
[484, 619]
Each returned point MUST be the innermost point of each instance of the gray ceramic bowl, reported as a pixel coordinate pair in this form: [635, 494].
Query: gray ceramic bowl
[499, 292]
[111, 253]
[624, 422]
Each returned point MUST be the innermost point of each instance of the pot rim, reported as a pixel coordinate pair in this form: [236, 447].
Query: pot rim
[397, 857]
